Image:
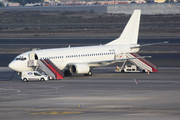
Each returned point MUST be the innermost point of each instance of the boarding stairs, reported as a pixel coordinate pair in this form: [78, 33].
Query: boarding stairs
[50, 69]
[142, 63]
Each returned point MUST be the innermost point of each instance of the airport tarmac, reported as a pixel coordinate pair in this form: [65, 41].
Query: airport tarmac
[105, 95]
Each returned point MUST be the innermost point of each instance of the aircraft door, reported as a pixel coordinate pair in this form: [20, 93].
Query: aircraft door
[120, 50]
[32, 60]
[33, 56]
[119, 54]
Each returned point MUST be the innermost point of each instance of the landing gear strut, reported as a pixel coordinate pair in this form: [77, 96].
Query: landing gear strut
[67, 73]
[88, 74]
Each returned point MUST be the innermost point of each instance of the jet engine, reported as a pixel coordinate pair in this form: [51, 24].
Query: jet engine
[79, 68]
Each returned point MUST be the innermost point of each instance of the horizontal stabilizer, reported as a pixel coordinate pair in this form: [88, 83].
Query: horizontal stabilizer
[149, 44]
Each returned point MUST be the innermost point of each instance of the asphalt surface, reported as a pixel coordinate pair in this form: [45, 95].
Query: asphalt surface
[105, 95]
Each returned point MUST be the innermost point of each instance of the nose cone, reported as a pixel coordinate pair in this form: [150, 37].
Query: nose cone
[19, 66]
[13, 66]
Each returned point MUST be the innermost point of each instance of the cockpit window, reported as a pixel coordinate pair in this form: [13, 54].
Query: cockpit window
[20, 58]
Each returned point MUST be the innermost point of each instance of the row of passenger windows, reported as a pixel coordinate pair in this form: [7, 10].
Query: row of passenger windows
[83, 55]
[86, 55]
[57, 57]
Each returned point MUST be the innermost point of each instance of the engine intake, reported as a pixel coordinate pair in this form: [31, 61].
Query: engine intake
[79, 68]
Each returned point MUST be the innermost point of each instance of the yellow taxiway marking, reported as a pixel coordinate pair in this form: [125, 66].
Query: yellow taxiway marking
[54, 113]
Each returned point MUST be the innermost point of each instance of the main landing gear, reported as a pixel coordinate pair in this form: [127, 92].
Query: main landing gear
[88, 74]
[67, 73]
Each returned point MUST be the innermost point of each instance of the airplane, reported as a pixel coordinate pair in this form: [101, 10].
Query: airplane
[81, 60]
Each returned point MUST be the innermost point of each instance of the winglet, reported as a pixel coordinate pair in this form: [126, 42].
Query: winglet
[130, 32]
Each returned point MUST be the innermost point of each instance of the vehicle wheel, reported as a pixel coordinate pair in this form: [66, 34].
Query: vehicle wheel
[25, 80]
[42, 79]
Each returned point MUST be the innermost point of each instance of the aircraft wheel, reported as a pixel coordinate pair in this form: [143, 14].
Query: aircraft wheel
[122, 71]
[143, 71]
[88, 74]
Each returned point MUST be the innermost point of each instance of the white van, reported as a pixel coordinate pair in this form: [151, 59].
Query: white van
[33, 75]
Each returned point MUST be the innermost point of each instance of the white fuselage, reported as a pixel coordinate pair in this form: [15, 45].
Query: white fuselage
[82, 59]
[61, 57]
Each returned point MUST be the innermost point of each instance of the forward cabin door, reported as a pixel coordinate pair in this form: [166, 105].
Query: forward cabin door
[33, 58]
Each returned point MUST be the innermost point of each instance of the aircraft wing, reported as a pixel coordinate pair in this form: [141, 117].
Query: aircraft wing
[116, 60]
